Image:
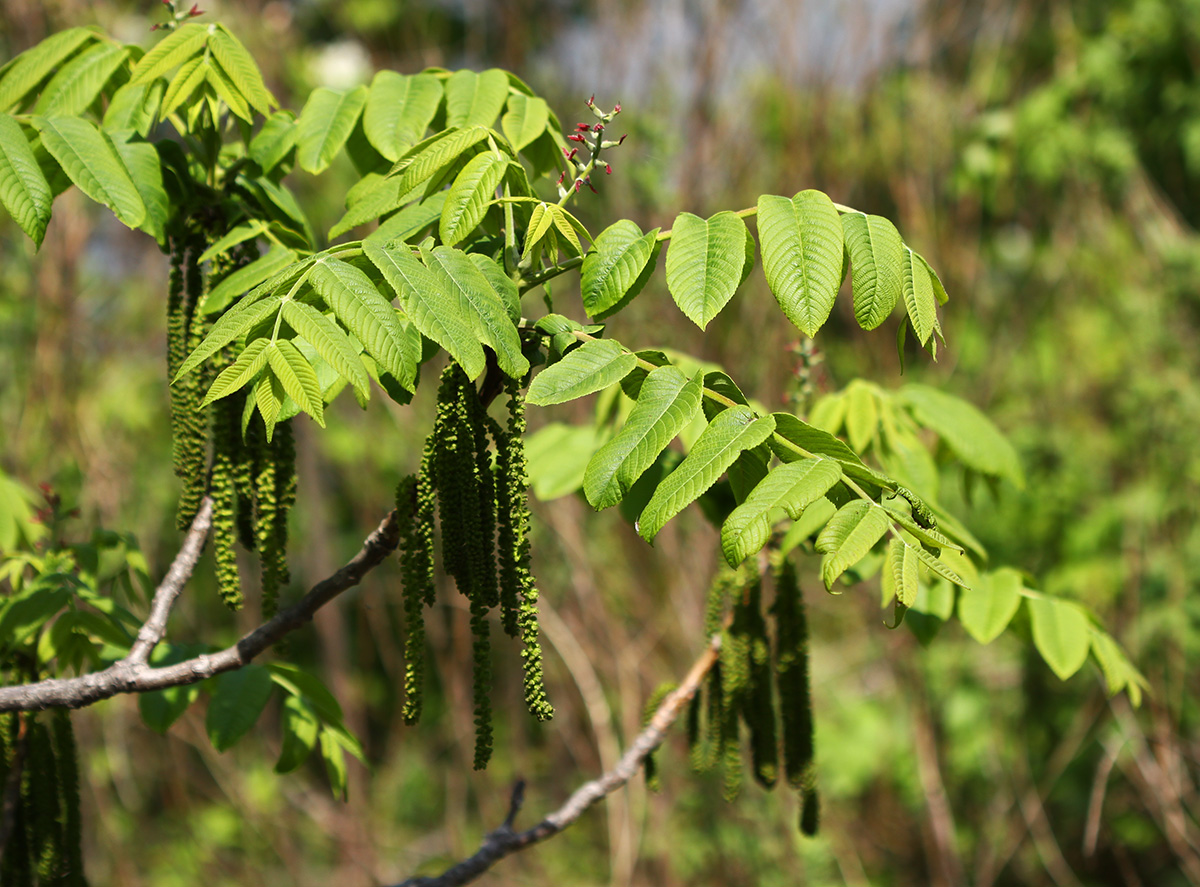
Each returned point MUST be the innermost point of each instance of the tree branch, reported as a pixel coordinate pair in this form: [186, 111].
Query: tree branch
[129, 676]
[503, 841]
[155, 627]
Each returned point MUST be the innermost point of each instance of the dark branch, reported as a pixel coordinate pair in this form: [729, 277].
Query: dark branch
[128, 676]
[503, 841]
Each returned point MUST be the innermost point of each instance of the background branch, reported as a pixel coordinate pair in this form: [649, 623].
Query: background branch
[503, 841]
[129, 676]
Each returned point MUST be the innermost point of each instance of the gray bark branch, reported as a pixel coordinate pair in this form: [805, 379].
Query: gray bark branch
[130, 676]
[504, 841]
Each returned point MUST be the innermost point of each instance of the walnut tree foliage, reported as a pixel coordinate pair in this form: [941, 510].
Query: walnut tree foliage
[465, 183]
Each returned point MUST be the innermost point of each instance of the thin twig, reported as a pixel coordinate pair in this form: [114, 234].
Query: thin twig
[503, 841]
[137, 677]
[155, 627]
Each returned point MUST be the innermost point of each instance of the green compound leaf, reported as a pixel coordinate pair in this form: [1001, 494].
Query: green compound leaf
[145, 169]
[325, 124]
[78, 83]
[24, 191]
[990, 605]
[900, 575]
[525, 120]
[299, 728]
[919, 299]
[1060, 633]
[965, 430]
[243, 371]
[459, 277]
[399, 110]
[88, 157]
[706, 263]
[419, 164]
[368, 315]
[589, 368]
[792, 487]
[617, 267]
[437, 313]
[475, 99]
[473, 190]
[238, 698]
[34, 64]
[298, 378]
[802, 252]
[241, 69]
[170, 52]
[790, 430]
[246, 278]
[273, 142]
[667, 402]
[328, 340]
[876, 266]
[849, 535]
[234, 323]
[732, 431]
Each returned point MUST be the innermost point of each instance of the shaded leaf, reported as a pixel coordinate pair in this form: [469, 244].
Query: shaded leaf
[849, 535]
[965, 430]
[328, 340]
[238, 698]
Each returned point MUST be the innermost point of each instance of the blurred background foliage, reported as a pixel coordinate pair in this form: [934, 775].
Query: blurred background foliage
[1044, 156]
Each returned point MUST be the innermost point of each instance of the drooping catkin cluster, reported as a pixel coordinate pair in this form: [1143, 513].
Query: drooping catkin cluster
[751, 681]
[484, 520]
[43, 846]
[252, 480]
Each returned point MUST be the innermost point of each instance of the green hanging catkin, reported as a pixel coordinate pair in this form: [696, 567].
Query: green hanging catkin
[184, 332]
[224, 497]
[485, 574]
[810, 812]
[757, 702]
[70, 821]
[661, 692]
[414, 512]
[454, 478]
[245, 468]
[518, 591]
[282, 453]
[735, 678]
[704, 729]
[40, 798]
[481, 655]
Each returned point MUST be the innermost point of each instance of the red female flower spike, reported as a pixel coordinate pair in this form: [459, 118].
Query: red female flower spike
[608, 169]
[575, 137]
[582, 127]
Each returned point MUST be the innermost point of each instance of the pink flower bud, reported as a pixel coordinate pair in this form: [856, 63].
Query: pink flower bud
[581, 127]
[561, 177]
[578, 184]
[575, 137]
[608, 169]
[599, 127]
[617, 109]
[590, 101]
[195, 10]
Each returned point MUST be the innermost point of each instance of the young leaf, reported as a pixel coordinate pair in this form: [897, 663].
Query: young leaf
[848, 536]
[328, 340]
[30, 67]
[234, 323]
[924, 534]
[241, 69]
[473, 189]
[145, 169]
[24, 191]
[367, 314]
[475, 99]
[247, 277]
[299, 735]
[1060, 633]
[876, 264]
[436, 313]
[525, 121]
[185, 82]
[170, 52]
[706, 263]
[268, 397]
[802, 251]
[325, 123]
[965, 430]
[726, 437]
[990, 605]
[297, 377]
[399, 110]
[939, 568]
[87, 155]
[238, 698]
[541, 220]
[790, 430]
[273, 142]
[597, 364]
[617, 267]
[216, 77]
[900, 575]
[76, 84]
[919, 300]
[243, 371]
[458, 277]
[668, 400]
[792, 487]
